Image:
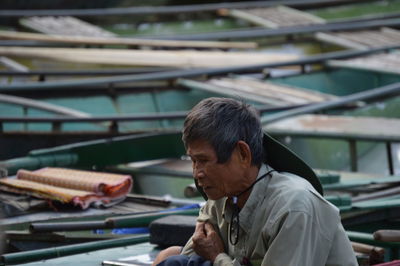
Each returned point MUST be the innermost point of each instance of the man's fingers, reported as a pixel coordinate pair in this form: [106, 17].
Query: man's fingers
[208, 228]
[199, 231]
[199, 227]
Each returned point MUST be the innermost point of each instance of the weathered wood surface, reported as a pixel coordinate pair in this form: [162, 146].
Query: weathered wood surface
[364, 39]
[389, 63]
[65, 26]
[259, 91]
[12, 65]
[40, 105]
[126, 207]
[176, 58]
[274, 17]
[367, 128]
[58, 38]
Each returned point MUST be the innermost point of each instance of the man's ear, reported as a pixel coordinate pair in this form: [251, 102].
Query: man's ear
[244, 152]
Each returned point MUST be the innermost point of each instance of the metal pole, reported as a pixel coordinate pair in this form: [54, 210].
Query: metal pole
[353, 155]
[389, 157]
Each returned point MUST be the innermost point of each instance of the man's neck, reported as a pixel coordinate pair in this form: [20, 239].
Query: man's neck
[253, 173]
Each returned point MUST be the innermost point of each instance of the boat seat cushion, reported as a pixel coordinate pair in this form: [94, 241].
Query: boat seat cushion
[173, 230]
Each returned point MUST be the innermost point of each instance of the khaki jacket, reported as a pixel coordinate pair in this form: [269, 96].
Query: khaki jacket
[284, 222]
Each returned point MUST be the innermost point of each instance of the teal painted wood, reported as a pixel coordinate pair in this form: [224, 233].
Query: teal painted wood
[358, 10]
[101, 153]
[334, 154]
[49, 253]
[145, 102]
[339, 82]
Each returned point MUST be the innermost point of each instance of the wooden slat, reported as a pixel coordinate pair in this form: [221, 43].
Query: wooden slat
[340, 127]
[364, 39]
[177, 58]
[275, 91]
[12, 65]
[26, 102]
[274, 17]
[125, 207]
[184, 167]
[259, 91]
[65, 26]
[57, 38]
[389, 63]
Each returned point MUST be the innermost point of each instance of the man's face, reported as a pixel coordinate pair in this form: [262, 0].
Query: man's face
[217, 179]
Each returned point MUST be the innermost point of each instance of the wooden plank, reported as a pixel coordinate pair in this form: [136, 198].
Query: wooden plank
[364, 39]
[125, 207]
[13, 65]
[388, 63]
[57, 38]
[259, 91]
[240, 14]
[274, 17]
[284, 93]
[176, 58]
[339, 127]
[228, 91]
[42, 106]
[332, 38]
[64, 25]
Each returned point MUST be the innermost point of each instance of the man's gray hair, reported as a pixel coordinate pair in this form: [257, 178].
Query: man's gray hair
[222, 122]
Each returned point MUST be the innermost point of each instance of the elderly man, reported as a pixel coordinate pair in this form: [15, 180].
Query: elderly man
[265, 205]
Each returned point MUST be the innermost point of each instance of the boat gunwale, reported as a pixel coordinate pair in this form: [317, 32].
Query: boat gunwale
[195, 8]
[174, 74]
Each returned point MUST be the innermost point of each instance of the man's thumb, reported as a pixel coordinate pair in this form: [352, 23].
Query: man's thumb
[208, 228]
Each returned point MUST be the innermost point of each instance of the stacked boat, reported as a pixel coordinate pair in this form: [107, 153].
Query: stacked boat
[104, 92]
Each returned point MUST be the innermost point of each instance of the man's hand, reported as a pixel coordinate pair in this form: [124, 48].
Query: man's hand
[206, 241]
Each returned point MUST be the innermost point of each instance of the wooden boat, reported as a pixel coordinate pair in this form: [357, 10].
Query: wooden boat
[123, 154]
[119, 154]
[97, 36]
[106, 35]
[149, 102]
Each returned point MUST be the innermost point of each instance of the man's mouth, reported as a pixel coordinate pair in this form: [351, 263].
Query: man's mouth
[206, 188]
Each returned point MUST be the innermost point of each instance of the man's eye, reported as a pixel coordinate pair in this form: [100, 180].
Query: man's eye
[185, 158]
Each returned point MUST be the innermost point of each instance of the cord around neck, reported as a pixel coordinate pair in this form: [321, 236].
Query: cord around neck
[234, 223]
[252, 185]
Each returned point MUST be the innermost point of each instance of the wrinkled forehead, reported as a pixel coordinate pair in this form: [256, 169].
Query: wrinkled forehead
[199, 147]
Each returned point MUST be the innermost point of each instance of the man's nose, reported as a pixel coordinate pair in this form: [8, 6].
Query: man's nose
[198, 173]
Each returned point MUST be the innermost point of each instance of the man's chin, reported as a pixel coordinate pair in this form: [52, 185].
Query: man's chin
[214, 197]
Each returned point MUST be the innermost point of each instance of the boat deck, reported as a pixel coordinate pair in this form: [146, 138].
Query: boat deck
[38, 212]
[363, 39]
[141, 253]
[64, 25]
[389, 63]
[260, 91]
[274, 17]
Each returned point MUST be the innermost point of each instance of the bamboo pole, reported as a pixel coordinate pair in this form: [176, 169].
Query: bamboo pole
[176, 58]
[124, 41]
